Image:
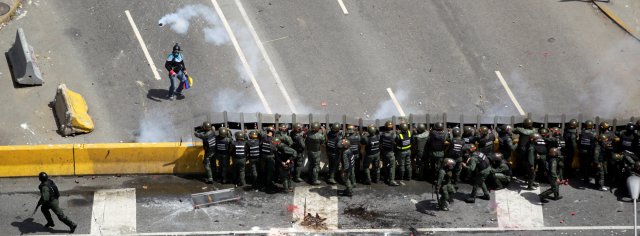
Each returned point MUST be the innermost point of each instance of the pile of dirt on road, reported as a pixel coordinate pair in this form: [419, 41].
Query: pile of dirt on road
[362, 213]
[315, 222]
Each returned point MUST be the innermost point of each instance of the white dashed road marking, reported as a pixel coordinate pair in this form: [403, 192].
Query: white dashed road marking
[242, 56]
[395, 102]
[513, 98]
[143, 46]
[114, 212]
[344, 8]
[266, 57]
[519, 209]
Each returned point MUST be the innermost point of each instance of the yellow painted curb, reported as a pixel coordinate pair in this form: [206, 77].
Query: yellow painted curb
[604, 8]
[138, 158]
[28, 160]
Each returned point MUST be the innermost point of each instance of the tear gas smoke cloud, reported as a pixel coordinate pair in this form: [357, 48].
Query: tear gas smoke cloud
[179, 21]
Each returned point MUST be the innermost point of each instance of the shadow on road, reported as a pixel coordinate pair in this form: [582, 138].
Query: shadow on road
[29, 226]
[158, 95]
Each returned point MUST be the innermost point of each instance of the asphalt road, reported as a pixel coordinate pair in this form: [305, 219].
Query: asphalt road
[163, 205]
[437, 56]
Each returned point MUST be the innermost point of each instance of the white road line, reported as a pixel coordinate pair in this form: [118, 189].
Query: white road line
[313, 202]
[266, 57]
[344, 8]
[395, 101]
[242, 57]
[143, 46]
[516, 210]
[393, 230]
[114, 212]
[513, 98]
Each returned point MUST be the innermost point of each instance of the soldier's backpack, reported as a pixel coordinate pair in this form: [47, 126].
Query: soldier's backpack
[53, 189]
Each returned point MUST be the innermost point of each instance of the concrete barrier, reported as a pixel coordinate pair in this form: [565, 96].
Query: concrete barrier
[23, 61]
[26, 160]
[71, 112]
[138, 158]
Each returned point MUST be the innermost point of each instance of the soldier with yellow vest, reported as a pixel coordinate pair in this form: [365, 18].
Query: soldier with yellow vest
[403, 151]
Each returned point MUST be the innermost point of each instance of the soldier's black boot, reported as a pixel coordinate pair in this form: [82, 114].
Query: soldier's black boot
[72, 228]
[49, 224]
[470, 200]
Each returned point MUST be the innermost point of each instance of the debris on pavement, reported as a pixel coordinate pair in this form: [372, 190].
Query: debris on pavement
[315, 222]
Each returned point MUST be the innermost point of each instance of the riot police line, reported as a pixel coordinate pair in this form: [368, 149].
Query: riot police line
[445, 154]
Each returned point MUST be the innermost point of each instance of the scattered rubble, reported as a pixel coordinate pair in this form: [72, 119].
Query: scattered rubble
[315, 222]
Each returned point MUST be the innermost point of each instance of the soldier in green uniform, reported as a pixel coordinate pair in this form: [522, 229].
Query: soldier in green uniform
[283, 134]
[267, 158]
[500, 175]
[239, 150]
[49, 195]
[601, 156]
[387, 146]
[297, 135]
[522, 150]
[551, 173]
[505, 142]
[586, 149]
[354, 139]
[445, 184]
[371, 162]
[284, 157]
[555, 140]
[537, 157]
[348, 161]
[333, 152]
[403, 151]
[223, 146]
[206, 133]
[478, 164]
[314, 139]
[571, 140]
[418, 142]
[485, 140]
[436, 144]
[253, 152]
[456, 153]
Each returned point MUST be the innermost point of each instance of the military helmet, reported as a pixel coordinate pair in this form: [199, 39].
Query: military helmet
[498, 157]
[630, 127]
[573, 123]
[483, 130]
[438, 126]
[543, 132]
[505, 128]
[283, 127]
[206, 125]
[456, 132]
[239, 135]
[297, 126]
[421, 128]
[588, 124]
[404, 126]
[276, 141]
[554, 130]
[315, 126]
[535, 136]
[346, 143]
[388, 125]
[553, 151]
[222, 131]
[253, 134]
[472, 147]
[604, 126]
[527, 123]
[449, 163]
[269, 129]
[467, 130]
[603, 137]
[335, 127]
[372, 129]
[43, 176]
[351, 128]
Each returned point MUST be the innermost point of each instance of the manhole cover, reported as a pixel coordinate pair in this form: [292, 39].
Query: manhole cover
[4, 8]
